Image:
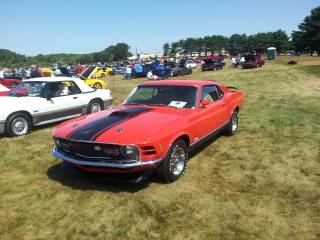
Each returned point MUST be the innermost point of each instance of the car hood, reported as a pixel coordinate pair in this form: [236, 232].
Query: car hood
[122, 125]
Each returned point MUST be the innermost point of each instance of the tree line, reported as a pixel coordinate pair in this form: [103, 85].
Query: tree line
[305, 40]
[236, 43]
[117, 52]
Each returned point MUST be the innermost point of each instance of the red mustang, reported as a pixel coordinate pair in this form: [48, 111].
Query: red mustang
[153, 129]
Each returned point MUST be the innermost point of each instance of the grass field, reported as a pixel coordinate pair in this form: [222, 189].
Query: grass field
[263, 183]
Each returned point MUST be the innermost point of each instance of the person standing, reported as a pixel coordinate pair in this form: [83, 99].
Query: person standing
[35, 72]
[79, 69]
[128, 72]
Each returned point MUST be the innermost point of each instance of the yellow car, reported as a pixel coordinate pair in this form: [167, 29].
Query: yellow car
[47, 72]
[90, 74]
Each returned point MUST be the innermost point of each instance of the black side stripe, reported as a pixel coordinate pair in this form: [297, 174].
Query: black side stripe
[93, 130]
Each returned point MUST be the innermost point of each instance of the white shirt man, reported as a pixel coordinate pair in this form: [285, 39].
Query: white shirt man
[1, 74]
[150, 76]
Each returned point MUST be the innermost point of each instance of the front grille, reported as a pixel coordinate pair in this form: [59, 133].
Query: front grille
[93, 152]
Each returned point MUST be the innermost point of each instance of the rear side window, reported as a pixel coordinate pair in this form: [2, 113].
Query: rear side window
[212, 93]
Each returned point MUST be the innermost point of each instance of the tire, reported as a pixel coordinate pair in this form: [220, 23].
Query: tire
[170, 170]
[97, 86]
[95, 106]
[232, 126]
[18, 124]
[190, 72]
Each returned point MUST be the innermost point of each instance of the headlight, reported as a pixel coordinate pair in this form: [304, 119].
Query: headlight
[57, 142]
[131, 152]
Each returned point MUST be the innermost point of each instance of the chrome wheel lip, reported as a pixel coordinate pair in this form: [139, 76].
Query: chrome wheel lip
[19, 126]
[177, 161]
[234, 123]
[95, 107]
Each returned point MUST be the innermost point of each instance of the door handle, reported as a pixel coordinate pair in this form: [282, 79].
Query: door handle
[75, 97]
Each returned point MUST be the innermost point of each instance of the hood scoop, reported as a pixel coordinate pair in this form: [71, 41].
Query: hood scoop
[92, 130]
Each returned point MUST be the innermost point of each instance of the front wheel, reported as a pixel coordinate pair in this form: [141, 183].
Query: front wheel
[232, 126]
[174, 164]
[18, 124]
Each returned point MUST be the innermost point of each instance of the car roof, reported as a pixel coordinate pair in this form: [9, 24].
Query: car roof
[49, 79]
[180, 82]
[81, 84]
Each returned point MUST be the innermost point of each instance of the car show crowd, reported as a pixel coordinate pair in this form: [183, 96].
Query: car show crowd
[152, 69]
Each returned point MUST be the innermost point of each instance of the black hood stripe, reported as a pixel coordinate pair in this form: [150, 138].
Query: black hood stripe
[92, 130]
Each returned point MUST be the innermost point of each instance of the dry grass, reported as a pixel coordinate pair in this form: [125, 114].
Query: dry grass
[260, 184]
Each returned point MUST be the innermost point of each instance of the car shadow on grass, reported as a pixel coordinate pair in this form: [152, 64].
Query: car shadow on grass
[81, 180]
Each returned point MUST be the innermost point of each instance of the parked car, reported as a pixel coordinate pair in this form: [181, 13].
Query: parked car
[210, 65]
[180, 70]
[154, 129]
[10, 83]
[47, 72]
[120, 70]
[253, 61]
[3, 90]
[190, 64]
[44, 100]
[13, 75]
[89, 76]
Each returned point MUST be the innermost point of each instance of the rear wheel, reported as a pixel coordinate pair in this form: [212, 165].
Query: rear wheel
[18, 124]
[174, 164]
[95, 106]
[232, 126]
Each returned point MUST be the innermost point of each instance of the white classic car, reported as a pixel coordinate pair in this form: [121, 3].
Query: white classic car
[44, 100]
[190, 64]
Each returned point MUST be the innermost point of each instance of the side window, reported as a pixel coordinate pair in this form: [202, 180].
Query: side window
[220, 93]
[59, 89]
[211, 93]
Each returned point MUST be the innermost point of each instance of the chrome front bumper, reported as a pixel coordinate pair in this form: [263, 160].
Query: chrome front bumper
[64, 157]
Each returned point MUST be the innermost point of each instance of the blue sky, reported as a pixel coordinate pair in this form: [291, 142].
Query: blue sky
[68, 26]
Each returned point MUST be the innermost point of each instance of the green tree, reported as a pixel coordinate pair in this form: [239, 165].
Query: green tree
[307, 38]
[166, 49]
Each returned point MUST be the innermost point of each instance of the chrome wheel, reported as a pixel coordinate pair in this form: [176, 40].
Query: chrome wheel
[19, 126]
[177, 161]
[234, 123]
[95, 107]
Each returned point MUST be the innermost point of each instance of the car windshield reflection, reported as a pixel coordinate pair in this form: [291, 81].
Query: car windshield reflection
[170, 96]
[27, 89]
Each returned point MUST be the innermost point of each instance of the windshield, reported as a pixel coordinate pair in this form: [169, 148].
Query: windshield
[86, 73]
[172, 96]
[27, 89]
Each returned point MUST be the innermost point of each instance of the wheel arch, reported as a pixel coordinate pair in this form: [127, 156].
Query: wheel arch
[96, 99]
[23, 112]
[183, 136]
